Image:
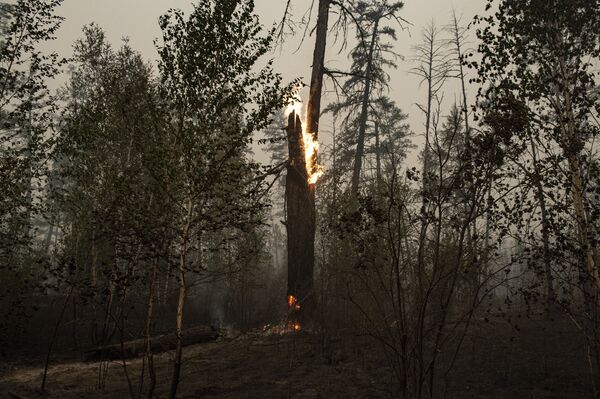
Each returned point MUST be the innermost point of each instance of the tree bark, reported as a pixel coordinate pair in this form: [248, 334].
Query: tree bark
[300, 208]
[53, 340]
[313, 110]
[378, 157]
[461, 74]
[550, 294]
[148, 330]
[582, 227]
[180, 301]
[425, 177]
[299, 195]
[158, 344]
[360, 141]
[572, 144]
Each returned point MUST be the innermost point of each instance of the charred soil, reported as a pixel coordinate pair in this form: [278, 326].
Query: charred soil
[520, 357]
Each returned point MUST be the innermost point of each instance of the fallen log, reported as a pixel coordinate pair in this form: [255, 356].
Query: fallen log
[159, 343]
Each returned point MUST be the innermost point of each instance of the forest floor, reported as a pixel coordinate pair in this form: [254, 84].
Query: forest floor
[522, 358]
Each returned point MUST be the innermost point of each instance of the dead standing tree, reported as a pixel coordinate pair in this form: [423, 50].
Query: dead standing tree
[300, 188]
[300, 208]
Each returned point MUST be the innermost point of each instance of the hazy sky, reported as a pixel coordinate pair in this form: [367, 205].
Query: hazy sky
[138, 20]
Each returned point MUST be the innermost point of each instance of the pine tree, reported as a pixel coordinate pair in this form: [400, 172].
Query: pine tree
[368, 78]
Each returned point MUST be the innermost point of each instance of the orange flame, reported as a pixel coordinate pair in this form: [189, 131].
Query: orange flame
[293, 306]
[311, 145]
[293, 302]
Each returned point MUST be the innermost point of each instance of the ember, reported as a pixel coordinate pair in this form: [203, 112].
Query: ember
[293, 312]
[293, 303]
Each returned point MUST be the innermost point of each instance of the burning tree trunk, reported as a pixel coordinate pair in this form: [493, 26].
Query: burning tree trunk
[302, 174]
[300, 207]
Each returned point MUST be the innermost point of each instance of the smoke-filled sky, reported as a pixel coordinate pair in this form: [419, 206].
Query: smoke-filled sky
[138, 20]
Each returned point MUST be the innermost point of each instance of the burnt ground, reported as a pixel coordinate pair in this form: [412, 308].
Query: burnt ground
[523, 358]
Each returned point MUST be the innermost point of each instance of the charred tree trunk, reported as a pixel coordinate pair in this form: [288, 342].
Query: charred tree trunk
[300, 208]
[316, 82]
[158, 344]
[299, 194]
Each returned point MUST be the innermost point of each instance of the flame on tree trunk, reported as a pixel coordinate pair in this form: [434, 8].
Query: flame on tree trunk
[300, 207]
[302, 173]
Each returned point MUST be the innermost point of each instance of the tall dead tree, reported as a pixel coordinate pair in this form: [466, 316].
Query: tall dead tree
[300, 225]
[458, 43]
[299, 194]
[433, 70]
[313, 110]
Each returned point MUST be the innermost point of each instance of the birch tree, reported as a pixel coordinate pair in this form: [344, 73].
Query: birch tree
[542, 55]
[26, 109]
[216, 98]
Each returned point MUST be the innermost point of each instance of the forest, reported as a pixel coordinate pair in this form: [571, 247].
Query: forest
[197, 225]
